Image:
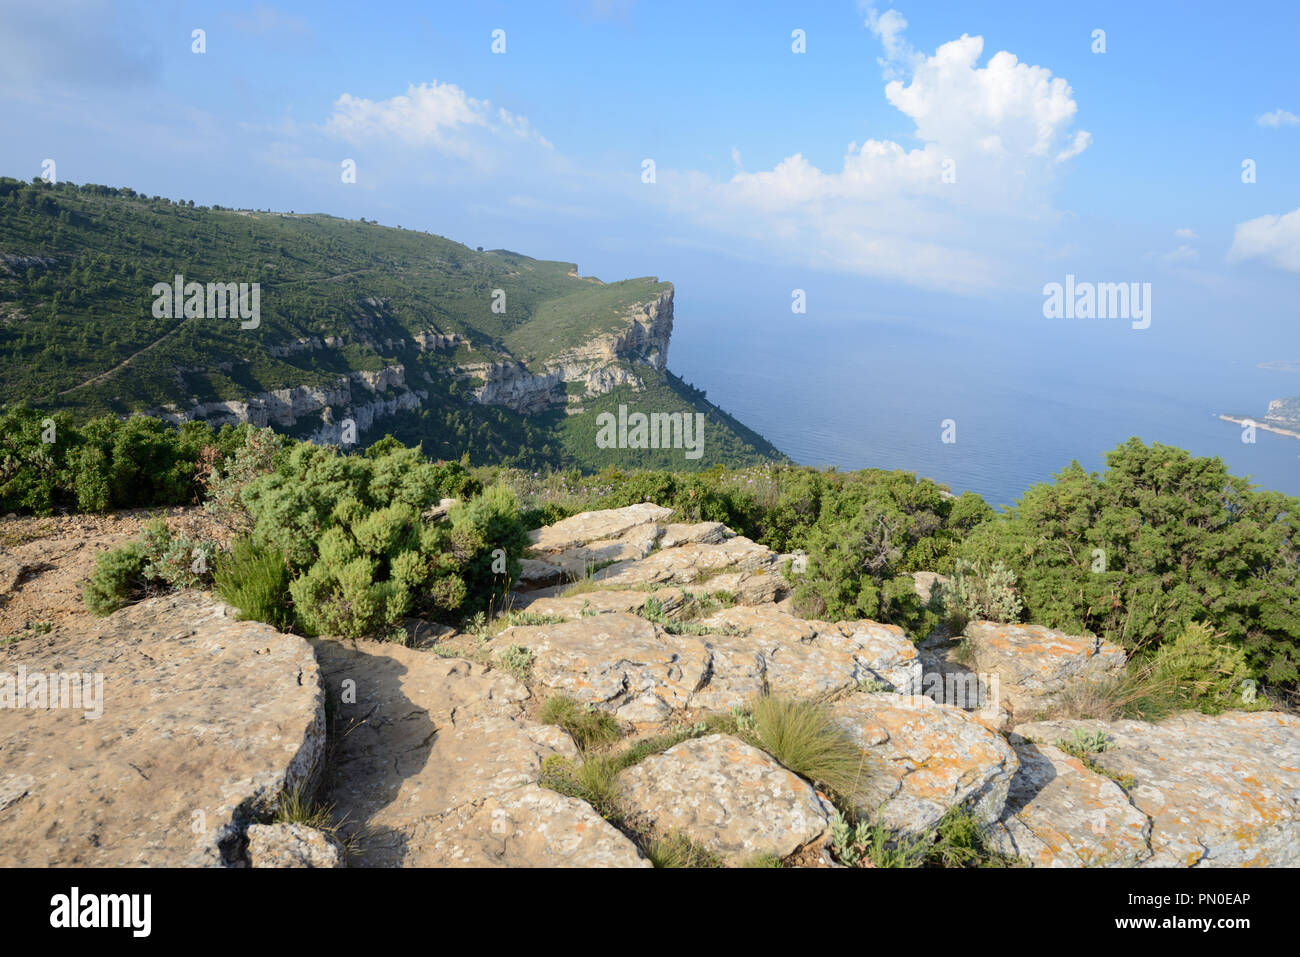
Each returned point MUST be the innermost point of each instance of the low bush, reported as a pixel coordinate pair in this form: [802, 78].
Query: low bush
[118, 579]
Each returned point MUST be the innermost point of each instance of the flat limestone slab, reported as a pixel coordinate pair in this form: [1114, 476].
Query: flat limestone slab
[1061, 814]
[1220, 791]
[206, 721]
[729, 796]
[1034, 663]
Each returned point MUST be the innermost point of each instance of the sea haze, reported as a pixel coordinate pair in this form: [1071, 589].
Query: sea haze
[1027, 399]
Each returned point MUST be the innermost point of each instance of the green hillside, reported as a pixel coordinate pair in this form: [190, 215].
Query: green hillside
[78, 265]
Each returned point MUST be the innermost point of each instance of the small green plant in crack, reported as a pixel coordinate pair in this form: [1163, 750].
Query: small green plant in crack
[959, 842]
[744, 720]
[1093, 742]
[588, 725]
[861, 843]
[763, 860]
[586, 611]
[29, 628]
[1083, 746]
[653, 610]
[517, 660]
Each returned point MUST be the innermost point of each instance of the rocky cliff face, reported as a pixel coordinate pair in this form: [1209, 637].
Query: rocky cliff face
[361, 397]
[598, 365]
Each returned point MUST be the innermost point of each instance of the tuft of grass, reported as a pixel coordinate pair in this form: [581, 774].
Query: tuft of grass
[592, 780]
[255, 580]
[678, 850]
[589, 726]
[803, 737]
[297, 807]
[763, 860]
[1139, 693]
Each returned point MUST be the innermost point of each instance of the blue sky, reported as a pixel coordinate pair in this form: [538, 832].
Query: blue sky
[774, 170]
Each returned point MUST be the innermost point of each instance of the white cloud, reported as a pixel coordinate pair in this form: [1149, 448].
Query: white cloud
[1186, 233]
[1183, 254]
[1273, 239]
[947, 213]
[437, 115]
[1278, 117]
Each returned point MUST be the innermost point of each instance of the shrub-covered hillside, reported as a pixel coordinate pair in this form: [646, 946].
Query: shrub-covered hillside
[351, 314]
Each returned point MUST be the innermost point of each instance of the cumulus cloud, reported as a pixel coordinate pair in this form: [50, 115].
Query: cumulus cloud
[1278, 117]
[436, 115]
[1272, 239]
[1186, 233]
[994, 138]
[1183, 254]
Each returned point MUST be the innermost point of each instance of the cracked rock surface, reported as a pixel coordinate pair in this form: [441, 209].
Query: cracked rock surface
[206, 722]
[1216, 791]
[434, 764]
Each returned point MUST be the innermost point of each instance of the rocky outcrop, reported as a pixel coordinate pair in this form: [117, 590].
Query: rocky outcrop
[733, 798]
[922, 760]
[439, 760]
[291, 845]
[435, 765]
[643, 673]
[530, 826]
[204, 722]
[1218, 791]
[1061, 814]
[1033, 664]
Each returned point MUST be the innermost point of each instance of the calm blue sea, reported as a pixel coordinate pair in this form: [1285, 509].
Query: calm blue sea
[1026, 401]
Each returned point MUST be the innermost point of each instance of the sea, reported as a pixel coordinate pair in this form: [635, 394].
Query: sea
[1017, 404]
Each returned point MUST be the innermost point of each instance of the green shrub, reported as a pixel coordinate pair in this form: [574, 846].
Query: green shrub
[989, 594]
[1205, 672]
[117, 580]
[517, 660]
[176, 559]
[1157, 541]
[678, 850]
[255, 581]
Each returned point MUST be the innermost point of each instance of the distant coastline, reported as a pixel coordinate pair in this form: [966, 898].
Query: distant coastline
[1281, 365]
[1261, 424]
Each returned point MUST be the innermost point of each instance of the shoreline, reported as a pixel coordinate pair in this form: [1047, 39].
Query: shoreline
[1260, 424]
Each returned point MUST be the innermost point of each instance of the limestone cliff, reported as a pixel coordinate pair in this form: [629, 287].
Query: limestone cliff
[596, 366]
